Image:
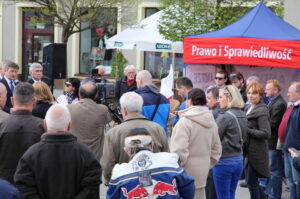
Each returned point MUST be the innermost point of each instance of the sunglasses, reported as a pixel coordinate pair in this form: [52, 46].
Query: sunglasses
[68, 84]
[219, 78]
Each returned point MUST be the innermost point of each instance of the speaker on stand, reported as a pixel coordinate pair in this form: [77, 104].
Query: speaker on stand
[55, 61]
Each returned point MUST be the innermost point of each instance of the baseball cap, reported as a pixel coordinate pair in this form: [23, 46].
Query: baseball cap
[138, 137]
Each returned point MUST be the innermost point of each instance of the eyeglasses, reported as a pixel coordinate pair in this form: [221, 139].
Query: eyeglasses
[68, 84]
[226, 88]
[219, 78]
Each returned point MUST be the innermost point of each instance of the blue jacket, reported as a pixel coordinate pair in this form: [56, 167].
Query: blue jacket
[176, 117]
[292, 134]
[150, 94]
[167, 178]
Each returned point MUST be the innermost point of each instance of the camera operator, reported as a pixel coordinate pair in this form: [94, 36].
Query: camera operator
[105, 91]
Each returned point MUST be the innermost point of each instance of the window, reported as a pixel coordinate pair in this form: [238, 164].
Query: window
[38, 31]
[93, 41]
[158, 63]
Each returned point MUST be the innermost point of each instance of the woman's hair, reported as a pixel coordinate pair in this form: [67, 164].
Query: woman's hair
[197, 96]
[76, 84]
[256, 88]
[234, 96]
[42, 92]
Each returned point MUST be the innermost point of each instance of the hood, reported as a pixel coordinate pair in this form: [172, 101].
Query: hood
[198, 114]
[146, 89]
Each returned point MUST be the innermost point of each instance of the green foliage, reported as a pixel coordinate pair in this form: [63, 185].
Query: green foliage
[118, 64]
[69, 14]
[182, 18]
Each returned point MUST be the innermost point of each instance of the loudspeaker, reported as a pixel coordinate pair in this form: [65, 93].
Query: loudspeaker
[54, 60]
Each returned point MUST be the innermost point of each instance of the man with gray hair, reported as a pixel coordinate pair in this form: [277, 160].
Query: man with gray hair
[89, 119]
[36, 73]
[19, 130]
[10, 81]
[131, 106]
[126, 83]
[156, 106]
[70, 168]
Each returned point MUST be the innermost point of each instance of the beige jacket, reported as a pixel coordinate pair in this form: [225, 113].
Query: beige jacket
[113, 151]
[88, 120]
[196, 140]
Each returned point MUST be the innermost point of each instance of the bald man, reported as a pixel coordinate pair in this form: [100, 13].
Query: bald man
[156, 106]
[89, 119]
[3, 93]
[70, 168]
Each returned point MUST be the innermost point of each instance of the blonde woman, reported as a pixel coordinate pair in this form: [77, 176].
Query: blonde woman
[44, 99]
[232, 125]
[195, 139]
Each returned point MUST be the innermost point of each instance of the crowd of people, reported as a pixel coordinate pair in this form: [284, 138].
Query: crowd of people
[59, 148]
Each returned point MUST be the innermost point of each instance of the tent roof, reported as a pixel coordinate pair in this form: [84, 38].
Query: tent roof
[144, 36]
[260, 23]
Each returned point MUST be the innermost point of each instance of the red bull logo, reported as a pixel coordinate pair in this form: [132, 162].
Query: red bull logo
[159, 189]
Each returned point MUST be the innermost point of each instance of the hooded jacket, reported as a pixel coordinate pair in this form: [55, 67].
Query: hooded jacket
[150, 94]
[195, 139]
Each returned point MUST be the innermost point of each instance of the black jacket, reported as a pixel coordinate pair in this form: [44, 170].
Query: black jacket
[40, 109]
[9, 94]
[258, 132]
[230, 135]
[44, 79]
[58, 167]
[276, 110]
[296, 163]
[18, 132]
[122, 87]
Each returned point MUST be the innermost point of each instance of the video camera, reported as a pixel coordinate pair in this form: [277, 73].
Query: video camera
[106, 95]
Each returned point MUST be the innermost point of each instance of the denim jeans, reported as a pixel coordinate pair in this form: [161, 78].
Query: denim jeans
[226, 178]
[292, 175]
[253, 185]
[274, 186]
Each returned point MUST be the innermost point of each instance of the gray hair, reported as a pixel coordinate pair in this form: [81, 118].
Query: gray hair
[129, 67]
[297, 86]
[57, 118]
[253, 78]
[35, 65]
[132, 102]
[6, 64]
[23, 94]
[100, 66]
[145, 76]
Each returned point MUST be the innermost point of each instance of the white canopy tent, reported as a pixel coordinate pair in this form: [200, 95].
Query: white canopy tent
[144, 36]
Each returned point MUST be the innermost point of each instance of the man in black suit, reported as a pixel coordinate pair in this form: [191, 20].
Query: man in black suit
[36, 73]
[277, 107]
[10, 80]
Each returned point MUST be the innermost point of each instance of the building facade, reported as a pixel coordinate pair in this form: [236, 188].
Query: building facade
[22, 39]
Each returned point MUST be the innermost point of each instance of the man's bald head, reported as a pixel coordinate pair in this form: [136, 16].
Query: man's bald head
[58, 119]
[3, 93]
[101, 70]
[143, 78]
[88, 90]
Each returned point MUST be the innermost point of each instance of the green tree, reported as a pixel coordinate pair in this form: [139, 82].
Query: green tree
[118, 64]
[69, 14]
[182, 18]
